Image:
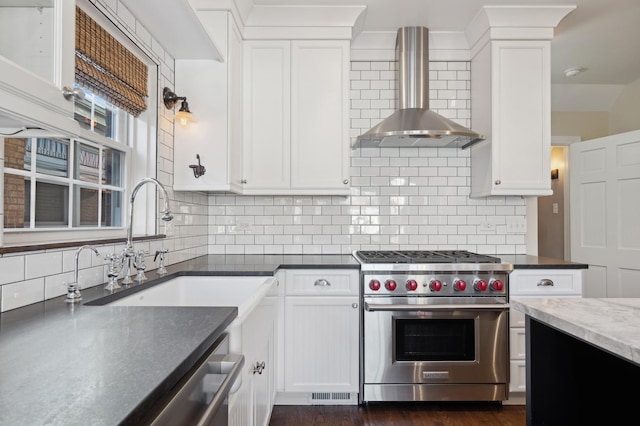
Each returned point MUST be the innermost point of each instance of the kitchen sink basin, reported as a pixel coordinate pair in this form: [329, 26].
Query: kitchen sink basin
[240, 291]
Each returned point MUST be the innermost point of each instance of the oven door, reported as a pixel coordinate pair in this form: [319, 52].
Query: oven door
[445, 341]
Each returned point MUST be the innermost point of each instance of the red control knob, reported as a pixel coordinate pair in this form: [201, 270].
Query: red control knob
[435, 285]
[374, 285]
[390, 285]
[496, 285]
[480, 285]
[412, 285]
[459, 285]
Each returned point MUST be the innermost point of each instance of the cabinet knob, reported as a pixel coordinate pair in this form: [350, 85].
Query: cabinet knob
[322, 283]
[346, 181]
[70, 92]
[354, 305]
[545, 282]
[243, 181]
[258, 367]
[498, 182]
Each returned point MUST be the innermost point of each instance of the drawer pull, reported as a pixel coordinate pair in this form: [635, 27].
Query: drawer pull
[322, 283]
[545, 282]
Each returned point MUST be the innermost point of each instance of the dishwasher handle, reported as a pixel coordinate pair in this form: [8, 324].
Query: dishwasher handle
[373, 307]
[181, 405]
[217, 363]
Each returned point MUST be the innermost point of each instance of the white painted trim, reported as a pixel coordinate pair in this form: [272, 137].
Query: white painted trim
[564, 140]
[532, 226]
[515, 22]
[297, 33]
[304, 15]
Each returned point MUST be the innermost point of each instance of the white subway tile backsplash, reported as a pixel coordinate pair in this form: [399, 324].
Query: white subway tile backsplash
[43, 264]
[21, 294]
[12, 268]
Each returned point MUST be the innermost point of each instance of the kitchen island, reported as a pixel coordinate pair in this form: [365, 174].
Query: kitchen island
[582, 356]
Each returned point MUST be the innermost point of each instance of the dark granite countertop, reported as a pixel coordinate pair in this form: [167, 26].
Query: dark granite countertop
[107, 365]
[526, 261]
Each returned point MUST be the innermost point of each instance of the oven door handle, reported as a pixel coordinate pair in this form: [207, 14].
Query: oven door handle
[373, 307]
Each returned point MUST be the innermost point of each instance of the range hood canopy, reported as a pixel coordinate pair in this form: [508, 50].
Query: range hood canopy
[414, 124]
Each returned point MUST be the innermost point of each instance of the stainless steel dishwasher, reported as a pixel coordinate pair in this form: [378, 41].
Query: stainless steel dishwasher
[202, 399]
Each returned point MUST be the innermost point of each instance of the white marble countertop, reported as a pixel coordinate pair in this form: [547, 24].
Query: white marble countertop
[610, 324]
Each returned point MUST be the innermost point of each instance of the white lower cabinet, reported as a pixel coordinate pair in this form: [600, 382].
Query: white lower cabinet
[320, 350]
[533, 283]
[252, 399]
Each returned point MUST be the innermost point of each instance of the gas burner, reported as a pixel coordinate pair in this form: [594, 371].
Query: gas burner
[424, 256]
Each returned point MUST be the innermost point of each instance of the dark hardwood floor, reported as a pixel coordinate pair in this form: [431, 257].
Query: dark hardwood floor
[401, 414]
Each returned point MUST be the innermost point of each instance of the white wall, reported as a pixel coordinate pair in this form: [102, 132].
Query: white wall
[29, 277]
[624, 116]
[413, 198]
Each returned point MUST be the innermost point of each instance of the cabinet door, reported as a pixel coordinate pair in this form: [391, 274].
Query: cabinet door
[258, 335]
[319, 114]
[37, 57]
[511, 105]
[266, 115]
[235, 106]
[522, 133]
[321, 344]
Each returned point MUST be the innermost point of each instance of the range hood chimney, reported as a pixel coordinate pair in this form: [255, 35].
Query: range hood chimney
[414, 124]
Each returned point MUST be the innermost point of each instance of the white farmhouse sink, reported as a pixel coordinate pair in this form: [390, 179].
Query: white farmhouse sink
[243, 292]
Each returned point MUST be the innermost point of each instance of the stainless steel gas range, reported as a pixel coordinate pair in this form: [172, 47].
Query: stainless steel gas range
[434, 326]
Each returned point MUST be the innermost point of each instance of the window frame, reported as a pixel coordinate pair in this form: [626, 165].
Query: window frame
[140, 155]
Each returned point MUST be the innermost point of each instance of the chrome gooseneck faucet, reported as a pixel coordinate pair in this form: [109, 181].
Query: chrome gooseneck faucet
[73, 288]
[166, 212]
[128, 252]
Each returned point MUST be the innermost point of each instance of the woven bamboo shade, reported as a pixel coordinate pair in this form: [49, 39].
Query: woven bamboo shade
[107, 68]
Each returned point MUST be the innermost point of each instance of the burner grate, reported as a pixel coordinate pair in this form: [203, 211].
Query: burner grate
[424, 256]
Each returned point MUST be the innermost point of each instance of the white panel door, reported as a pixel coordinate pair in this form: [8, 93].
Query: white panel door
[605, 201]
[319, 114]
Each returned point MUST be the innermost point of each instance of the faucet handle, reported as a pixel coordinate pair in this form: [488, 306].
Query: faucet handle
[161, 268]
[113, 272]
[138, 263]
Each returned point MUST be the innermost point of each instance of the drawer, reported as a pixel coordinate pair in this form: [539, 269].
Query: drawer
[517, 343]
[545, 282]
[308, 282]
[518, 375]
[516, 318]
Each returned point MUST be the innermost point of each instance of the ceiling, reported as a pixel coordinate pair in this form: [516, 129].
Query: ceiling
[599, 36]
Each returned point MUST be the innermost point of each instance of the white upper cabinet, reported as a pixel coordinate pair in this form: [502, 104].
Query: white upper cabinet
[295, 133]
[213, 89]
[511, 105]
[37, 59]
[511, 99]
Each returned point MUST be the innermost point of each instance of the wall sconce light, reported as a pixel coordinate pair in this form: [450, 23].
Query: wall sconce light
[555, 174]
[184, 115]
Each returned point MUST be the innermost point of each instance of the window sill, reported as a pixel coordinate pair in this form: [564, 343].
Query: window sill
[67, 244]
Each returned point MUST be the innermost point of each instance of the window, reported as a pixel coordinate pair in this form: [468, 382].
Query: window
[75, 186]
[54, 183]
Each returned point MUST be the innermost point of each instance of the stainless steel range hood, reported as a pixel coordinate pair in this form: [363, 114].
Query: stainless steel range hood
[414, 124]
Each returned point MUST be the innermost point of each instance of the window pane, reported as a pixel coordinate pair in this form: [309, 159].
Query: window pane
[87, 163]
[16, 200]
[111, 208]
[52, 205]
[112, 167]
[51, 156]
[86, 207]
[96, 114]
[15, 153]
